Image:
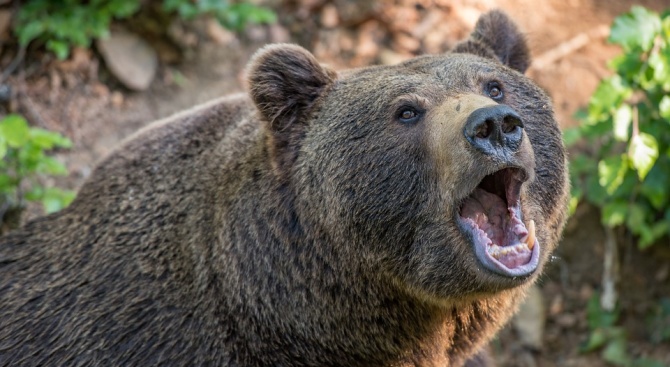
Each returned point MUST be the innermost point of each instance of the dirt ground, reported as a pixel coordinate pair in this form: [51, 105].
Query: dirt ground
[81, 99]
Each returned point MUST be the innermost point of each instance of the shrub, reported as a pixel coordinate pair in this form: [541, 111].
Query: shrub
[67, 23]
[23, 159]
[626, 169]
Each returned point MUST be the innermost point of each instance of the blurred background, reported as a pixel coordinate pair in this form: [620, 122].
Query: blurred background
[77, 77]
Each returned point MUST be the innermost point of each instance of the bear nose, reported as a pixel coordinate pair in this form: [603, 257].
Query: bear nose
[494, 128]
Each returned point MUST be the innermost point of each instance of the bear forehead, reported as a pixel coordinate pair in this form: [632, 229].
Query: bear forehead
[427, 75]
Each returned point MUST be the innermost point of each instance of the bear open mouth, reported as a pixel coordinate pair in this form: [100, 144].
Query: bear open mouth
[491, 216]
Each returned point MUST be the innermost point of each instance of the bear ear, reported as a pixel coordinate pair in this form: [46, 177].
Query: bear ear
[496, 36]
[284, 82]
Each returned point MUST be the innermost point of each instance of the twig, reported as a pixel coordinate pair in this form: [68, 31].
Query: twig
[566, 48]
[608, 299]
[26, 103]
[14, 64]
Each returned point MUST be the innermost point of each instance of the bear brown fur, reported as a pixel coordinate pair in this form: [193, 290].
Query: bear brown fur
[317, 221]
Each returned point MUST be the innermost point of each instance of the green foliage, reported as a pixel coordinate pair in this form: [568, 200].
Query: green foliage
[233, 16]
[67, 23]
[609, 338]
[627, 127]
[23, 158]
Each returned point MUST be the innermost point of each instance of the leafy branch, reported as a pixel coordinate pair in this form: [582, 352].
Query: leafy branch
[627, 127]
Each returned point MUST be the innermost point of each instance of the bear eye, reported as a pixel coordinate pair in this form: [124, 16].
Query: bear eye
[408, 115]
[495, 91]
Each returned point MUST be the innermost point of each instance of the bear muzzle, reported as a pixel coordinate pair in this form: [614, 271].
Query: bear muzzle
[495, 130]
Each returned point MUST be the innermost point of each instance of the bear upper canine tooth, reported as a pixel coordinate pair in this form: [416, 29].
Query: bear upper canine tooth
[530, 241]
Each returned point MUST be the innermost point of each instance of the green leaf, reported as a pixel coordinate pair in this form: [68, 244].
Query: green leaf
[60, 48]
[7, 184]
[611, 172]
[649, 235]
[664, 108]
[15, 130]
[571, 135]
[614, 213]
[647, 362]
[655, 185]
[595, 193]
[596, 340]
[609, 94]
[627, 65]
[51, 166]
[581, 163]
[35, 193]
[597, 317]
[56, 199]
[660, 63]
[622, 119]
[3, 147]
[615, 352]
[30, 31]
[48, 139]
[643, 153]
[636, 217]
[636, 29]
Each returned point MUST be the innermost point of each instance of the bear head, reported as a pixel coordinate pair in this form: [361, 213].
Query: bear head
[446, 173]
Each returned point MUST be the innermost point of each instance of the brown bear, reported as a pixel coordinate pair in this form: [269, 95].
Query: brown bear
[383, 216]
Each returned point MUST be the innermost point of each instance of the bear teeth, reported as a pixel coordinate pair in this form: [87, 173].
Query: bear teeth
[498, 251]
[530, 241]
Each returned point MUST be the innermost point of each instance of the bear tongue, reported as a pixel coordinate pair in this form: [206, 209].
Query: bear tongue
[490, 213]
[503, 234]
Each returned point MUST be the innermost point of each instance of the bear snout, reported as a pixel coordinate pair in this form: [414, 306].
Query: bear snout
[495, 130]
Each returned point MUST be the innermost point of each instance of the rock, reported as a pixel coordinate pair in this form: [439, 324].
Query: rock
[130, 59]
[468, 15]
[367, 39]
[529, 321]
[406, 42]
[218, 33]
[279, 34]
[566, 320]
[5, 93]
[354, 12]
[329, 16]
[389, 57]
[117, 99]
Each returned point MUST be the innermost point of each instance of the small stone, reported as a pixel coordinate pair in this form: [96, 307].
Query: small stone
[407, 42]
[100, 90]
[367, 43]
[556, 306]
[329, 16]
[5, 93]
[388, 57]
[218, 33]
[468, 15]
[256, 33]
[116, 99]
[529, 321]
[130, 59]
[354, 12]
[566, 320]
[585, 292]
[279, 34]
